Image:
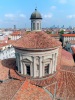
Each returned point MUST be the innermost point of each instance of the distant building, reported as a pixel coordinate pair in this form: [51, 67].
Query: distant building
[67, 37]
[14, 27]
[6, 51]
[15, 35]
[56, 36]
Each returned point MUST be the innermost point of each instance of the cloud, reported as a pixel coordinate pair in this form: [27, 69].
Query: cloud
[53, 7]
[10, 16]
[22, 15]
[48, 16]
[71, 16]
[62, 1]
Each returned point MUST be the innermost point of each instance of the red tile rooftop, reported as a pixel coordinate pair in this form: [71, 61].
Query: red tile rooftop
[66, 86]
[54, 35]
[20, 88]
[51, 88]
[73, 49]
[44, 82]
[9, 88]
[67, 54]
[3, 72]
[72, 41]
[68, 35]
[5, 65]
[37, 40]
[31, 92]
[67, 58]
[3, 44]
[11, 42]
[17, 33]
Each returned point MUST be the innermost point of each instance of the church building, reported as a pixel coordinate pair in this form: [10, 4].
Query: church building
[37, 53]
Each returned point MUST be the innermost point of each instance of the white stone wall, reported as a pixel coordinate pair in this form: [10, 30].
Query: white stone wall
[35, 21]
[37, 62]
[14, 37]
[7, 52]
[65, 39]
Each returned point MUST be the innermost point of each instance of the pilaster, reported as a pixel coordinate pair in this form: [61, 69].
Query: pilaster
[52, 63]
[50, 67]
[21, 65]
[41, 71]
[34, 66]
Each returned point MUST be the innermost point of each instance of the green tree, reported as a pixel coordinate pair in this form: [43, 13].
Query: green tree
[48, 32]
[61, 32]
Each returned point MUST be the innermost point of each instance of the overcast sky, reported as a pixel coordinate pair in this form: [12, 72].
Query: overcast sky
[54, 12]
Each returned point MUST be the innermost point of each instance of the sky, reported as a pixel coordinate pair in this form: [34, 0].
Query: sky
[54, 12]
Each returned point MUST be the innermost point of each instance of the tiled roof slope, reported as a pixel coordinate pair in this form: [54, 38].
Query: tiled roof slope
[73, 49]
[31, 92]
[51, 88]
[5, 65]
[9, 88]
[67, 58]
[72, 41]
[66, 86]
[68, 35]
[37, 40]
[3, 72]
[44, 82]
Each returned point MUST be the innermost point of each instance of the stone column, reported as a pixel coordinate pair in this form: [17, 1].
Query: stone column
[34, 67]
[35, 25]
[21, 68]
[53, 63]
[31, 69]
[18, 62]
[41, 70]
[50, 67]
[21, 64]
[25, 72]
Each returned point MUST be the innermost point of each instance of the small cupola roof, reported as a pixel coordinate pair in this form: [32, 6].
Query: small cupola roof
[36, 15]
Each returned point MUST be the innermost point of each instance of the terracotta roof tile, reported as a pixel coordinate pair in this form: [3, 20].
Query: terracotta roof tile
[73, 49]
[18, 33]
[5, 65]
[67, 58]
[9, 88]
[54, 35]
[3, 44]
[68, 35]
[31, 92]
[66, 86]
[72, 41]
[15, 33]
[44, 82]
[51, 88]
[3, 72]
[37, 40]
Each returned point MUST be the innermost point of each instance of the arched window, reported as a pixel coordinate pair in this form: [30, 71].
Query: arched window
[47, 69]
[37, 26]
[28, 69]
[33, 26]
